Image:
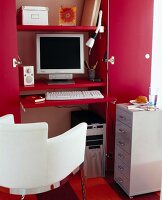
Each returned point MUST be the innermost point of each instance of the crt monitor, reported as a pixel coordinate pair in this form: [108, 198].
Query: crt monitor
[60, 55]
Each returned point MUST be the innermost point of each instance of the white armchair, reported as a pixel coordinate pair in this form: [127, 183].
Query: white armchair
[30, 163]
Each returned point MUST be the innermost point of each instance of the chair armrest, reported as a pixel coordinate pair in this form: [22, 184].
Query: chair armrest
[66, 152]
[7, 119]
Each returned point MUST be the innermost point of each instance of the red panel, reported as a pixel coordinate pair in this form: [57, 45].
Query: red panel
[130, 38]
[97, 54]
[100, 47]
[8, 50]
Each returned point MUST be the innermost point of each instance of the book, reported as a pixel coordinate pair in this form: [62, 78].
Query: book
[35, 98]
[90, 12]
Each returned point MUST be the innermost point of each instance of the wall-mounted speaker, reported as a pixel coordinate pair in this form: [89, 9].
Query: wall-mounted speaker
[26, 75]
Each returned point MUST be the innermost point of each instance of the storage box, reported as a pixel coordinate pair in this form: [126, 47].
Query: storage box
[32, 15]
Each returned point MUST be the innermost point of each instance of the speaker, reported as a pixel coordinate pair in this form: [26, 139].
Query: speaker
[26, 75]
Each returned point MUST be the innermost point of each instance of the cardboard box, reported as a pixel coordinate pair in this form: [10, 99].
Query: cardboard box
[32, 15]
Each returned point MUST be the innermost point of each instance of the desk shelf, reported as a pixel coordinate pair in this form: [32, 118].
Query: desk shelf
[78, 83]
[27, 104]
[43, 86]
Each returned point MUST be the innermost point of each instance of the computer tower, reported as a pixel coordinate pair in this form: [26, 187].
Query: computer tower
[95, 153]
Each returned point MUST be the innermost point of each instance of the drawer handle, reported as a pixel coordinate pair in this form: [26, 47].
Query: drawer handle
[122, 131]
[120, 180]
[122, 117]
[121, 168]
[121, 143]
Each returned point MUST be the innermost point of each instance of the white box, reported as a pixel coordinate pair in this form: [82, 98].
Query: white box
[32, 15]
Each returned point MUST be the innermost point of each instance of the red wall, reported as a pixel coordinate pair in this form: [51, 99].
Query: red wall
[9, 85]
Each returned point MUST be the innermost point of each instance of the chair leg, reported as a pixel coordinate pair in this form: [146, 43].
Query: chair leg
[22, 197]
[83, 183]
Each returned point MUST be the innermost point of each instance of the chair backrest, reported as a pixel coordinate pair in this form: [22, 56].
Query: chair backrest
[23, 155]
[30, 162]
[66, 152]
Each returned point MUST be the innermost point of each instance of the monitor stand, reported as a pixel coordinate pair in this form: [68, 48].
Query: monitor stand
[60, 79]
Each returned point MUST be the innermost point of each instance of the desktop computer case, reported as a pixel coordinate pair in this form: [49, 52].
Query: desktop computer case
[95, 153]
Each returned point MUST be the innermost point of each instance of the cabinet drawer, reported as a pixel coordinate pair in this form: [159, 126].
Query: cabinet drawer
[123, 130]
[121, 168]
[122, 155]
[124, 117]
[123, 143]
[122, 181]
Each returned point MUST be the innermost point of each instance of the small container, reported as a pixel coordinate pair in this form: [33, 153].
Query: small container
[153, 96]
[91, 74]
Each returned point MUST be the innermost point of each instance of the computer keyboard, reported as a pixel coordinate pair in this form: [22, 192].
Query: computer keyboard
[70, 95]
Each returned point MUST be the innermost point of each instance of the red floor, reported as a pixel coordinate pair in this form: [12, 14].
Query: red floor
[96, 189]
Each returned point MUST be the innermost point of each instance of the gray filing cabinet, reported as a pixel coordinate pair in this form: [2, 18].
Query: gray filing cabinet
[138, 150]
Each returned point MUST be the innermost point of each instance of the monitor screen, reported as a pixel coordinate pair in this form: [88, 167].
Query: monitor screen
[60, 53]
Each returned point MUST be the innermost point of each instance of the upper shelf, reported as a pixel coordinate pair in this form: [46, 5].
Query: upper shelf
[55, 28]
